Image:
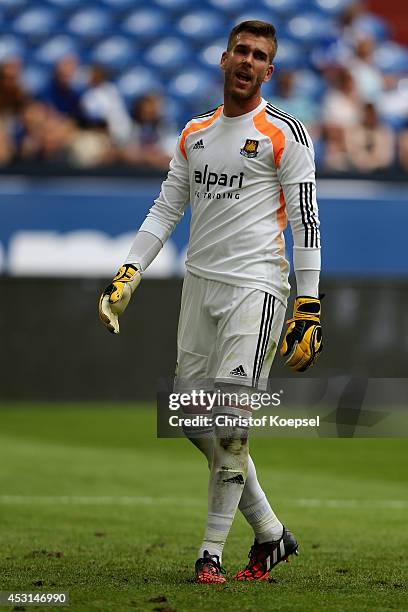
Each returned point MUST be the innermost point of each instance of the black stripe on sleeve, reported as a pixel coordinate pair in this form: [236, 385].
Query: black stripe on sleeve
[279, 114]
[303, 212]
[309, 220]
[309, 209]
[207, 114]
[292, 129]
[314, 219]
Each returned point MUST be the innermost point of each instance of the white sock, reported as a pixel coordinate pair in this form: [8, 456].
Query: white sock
[257, 510]
[227, 480]
[253, 504]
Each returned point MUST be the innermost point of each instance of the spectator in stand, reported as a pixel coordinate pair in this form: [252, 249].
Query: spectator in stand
[332, 149]
[57, 139]
[367, 78]
[153, 140]
[403, 149]
[286, 98]
[13, 97]
[92, 147]
[371, 144]
[393, 102]
[348, 22]
[102, 102]
[341, 104]
[31, 130]
[6, 146]
[62, 93]
[44, 134]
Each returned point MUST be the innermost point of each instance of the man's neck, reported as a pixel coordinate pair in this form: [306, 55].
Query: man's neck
[235, 108]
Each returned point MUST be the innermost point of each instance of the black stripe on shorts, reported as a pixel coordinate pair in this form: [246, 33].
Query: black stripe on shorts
[263, 336]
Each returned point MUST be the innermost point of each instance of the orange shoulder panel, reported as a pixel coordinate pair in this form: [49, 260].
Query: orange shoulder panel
[275, 134]
[196, 127]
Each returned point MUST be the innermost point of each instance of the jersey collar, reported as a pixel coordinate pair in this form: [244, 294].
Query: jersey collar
[252, 113]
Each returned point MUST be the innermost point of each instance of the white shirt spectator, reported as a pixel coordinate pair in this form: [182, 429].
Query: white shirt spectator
[102, 101]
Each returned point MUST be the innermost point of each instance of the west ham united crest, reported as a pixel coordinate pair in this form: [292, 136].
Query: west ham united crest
[250, 148]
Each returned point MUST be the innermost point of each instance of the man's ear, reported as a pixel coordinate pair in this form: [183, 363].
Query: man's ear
[224, 58]
[269, 73]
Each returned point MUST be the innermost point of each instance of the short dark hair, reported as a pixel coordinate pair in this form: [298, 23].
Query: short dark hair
[259, 28]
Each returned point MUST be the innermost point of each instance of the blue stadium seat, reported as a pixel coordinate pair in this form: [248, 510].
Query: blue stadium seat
[66, 4]
[137, 82]
[175, 6]
[201, 25]
[258, 13]
[120, 5]
[373, 26]
[210, 55]
[36, 22]
[231, 7]
[331, 7]
[391, 57]
[309, 84]
[281, 7]
[168, 55]
[176, 111]
[116, 53]
[55, 49]
[290, 55]
[192, 85]
[323, 56]
[146, 24]
[35, 79]
[11, 47]
[12, 4]
[312, 29]
[91, 22]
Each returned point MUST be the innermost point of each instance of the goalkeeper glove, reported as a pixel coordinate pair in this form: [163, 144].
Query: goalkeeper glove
[302, 343]
[116, 296]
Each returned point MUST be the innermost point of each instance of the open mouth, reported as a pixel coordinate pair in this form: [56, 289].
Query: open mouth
[243, 77]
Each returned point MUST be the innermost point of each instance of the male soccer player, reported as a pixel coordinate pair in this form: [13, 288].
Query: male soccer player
[245, 167]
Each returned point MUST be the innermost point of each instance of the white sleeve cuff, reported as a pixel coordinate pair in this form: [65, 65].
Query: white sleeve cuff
[144, 249]
[306, 258]
[307, 283]
[306, 263]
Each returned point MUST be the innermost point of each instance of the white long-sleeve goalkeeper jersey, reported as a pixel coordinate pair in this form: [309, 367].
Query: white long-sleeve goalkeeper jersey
[244, 177]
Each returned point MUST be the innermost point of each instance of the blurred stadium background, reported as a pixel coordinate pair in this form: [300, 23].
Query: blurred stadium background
[92, 97]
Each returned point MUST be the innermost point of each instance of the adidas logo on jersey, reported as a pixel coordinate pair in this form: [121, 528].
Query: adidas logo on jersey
[199, 144]
[239, 371]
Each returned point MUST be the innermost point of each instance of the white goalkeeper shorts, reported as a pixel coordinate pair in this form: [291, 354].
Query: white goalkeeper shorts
[226, 334]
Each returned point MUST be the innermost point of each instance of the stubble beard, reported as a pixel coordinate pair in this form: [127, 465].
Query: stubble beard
[241, 95]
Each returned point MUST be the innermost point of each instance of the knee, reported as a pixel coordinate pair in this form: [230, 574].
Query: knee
[231, 420]
[234, 443]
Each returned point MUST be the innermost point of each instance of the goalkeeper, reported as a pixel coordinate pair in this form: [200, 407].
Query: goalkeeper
[246, 168]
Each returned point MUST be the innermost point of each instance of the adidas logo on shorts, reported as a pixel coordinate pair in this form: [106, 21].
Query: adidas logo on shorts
[199, 144]
[239, 371]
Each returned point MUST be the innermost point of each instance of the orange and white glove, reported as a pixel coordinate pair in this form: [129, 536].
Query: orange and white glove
[302, 343]
[116, 296]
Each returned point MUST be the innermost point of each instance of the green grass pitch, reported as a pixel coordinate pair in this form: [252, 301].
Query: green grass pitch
[93, 504]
